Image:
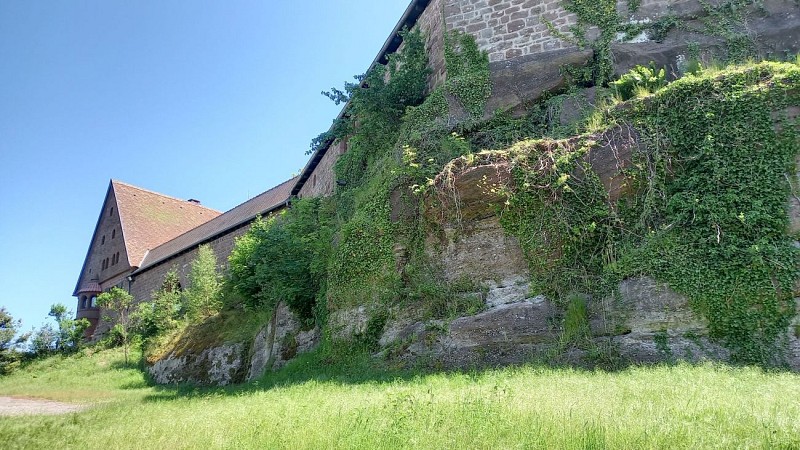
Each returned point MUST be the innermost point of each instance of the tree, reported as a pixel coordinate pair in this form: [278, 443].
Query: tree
[9, 341]
[43, 341]
[70, 331]
[159, 315]
[120, 303]
[203, 298]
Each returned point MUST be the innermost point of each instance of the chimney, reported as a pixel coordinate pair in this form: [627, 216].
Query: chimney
[194, 200]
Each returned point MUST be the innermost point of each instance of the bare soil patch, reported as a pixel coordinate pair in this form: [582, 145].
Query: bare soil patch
[19, 406]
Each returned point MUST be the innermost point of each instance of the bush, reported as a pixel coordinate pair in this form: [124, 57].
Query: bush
[283, 258]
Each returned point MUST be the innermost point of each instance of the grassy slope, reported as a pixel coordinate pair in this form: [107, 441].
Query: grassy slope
[529, 407]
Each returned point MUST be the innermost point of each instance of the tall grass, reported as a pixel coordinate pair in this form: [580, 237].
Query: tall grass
[682, 406]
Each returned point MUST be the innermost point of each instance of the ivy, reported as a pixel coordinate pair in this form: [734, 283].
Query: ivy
[706, 211]
[467, 72]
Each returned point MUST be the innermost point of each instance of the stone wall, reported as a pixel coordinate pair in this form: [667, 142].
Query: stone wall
[508, 29]
[431, 22]
[322, 181]
[108, 243]
[147, 282]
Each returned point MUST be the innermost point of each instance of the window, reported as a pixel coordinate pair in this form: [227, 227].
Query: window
[83, 302]
[103, 241]
[117, 255]
[93, 302]
[111, 212]
[113, 233]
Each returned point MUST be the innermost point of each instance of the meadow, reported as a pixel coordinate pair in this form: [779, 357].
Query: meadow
[311, 405]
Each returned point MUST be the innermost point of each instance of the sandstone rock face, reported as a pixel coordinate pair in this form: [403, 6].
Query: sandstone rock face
[793, 339]
[482, 252]
[504, 334]
[345, 323]
[218, 366]
[520, 81]
[650, 323]
[279, 341]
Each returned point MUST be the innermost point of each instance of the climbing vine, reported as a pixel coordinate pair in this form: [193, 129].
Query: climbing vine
[705, 210]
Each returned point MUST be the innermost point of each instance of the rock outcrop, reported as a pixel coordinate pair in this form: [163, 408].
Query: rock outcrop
[278, 341]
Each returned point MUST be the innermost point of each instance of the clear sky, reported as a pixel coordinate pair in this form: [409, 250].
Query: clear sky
[195, 99]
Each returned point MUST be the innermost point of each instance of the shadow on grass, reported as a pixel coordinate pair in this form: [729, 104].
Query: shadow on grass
[309, 367]
[361, 368]
[354, 366]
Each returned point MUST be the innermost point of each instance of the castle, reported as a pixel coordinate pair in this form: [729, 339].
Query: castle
[140, 235]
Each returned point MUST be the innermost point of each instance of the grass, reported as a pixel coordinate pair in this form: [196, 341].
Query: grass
[308, 406]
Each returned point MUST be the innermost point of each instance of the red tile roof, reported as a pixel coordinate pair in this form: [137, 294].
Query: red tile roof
[238, 216]
[150, 219]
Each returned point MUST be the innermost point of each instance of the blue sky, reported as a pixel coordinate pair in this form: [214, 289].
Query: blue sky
[194, 99]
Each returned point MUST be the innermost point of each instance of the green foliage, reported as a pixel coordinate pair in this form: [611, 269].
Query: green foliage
[637, 80]
[576, 321]
[70, 332]
[603, 15]
[120, 303]
[705, 211]
[9, 341]
[368, 339]
[377, 103]
[42, 341]
[161, 314]
[283, 258]
[467, 72]
[203, 297]
[66, 337]
[562, 216]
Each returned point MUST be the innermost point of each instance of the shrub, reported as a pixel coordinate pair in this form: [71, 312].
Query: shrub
[203, 298]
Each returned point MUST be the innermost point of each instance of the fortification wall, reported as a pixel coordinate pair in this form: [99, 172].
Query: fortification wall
[151, 280]
[323, 179]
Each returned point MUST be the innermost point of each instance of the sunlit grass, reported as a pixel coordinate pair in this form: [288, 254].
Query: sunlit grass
[529, 407]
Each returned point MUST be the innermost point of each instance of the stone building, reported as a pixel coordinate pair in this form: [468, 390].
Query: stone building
[528, 43]
[140, 235]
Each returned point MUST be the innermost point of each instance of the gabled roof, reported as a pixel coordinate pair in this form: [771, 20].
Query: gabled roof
[236, 217]
[149, 219]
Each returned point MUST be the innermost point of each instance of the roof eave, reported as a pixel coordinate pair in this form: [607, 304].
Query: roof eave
[393, 42]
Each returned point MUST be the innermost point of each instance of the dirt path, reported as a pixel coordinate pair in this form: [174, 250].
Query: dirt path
[17, 406]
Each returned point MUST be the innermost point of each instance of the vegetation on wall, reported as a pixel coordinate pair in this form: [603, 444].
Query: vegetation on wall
[283, 258]
[706, 212]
